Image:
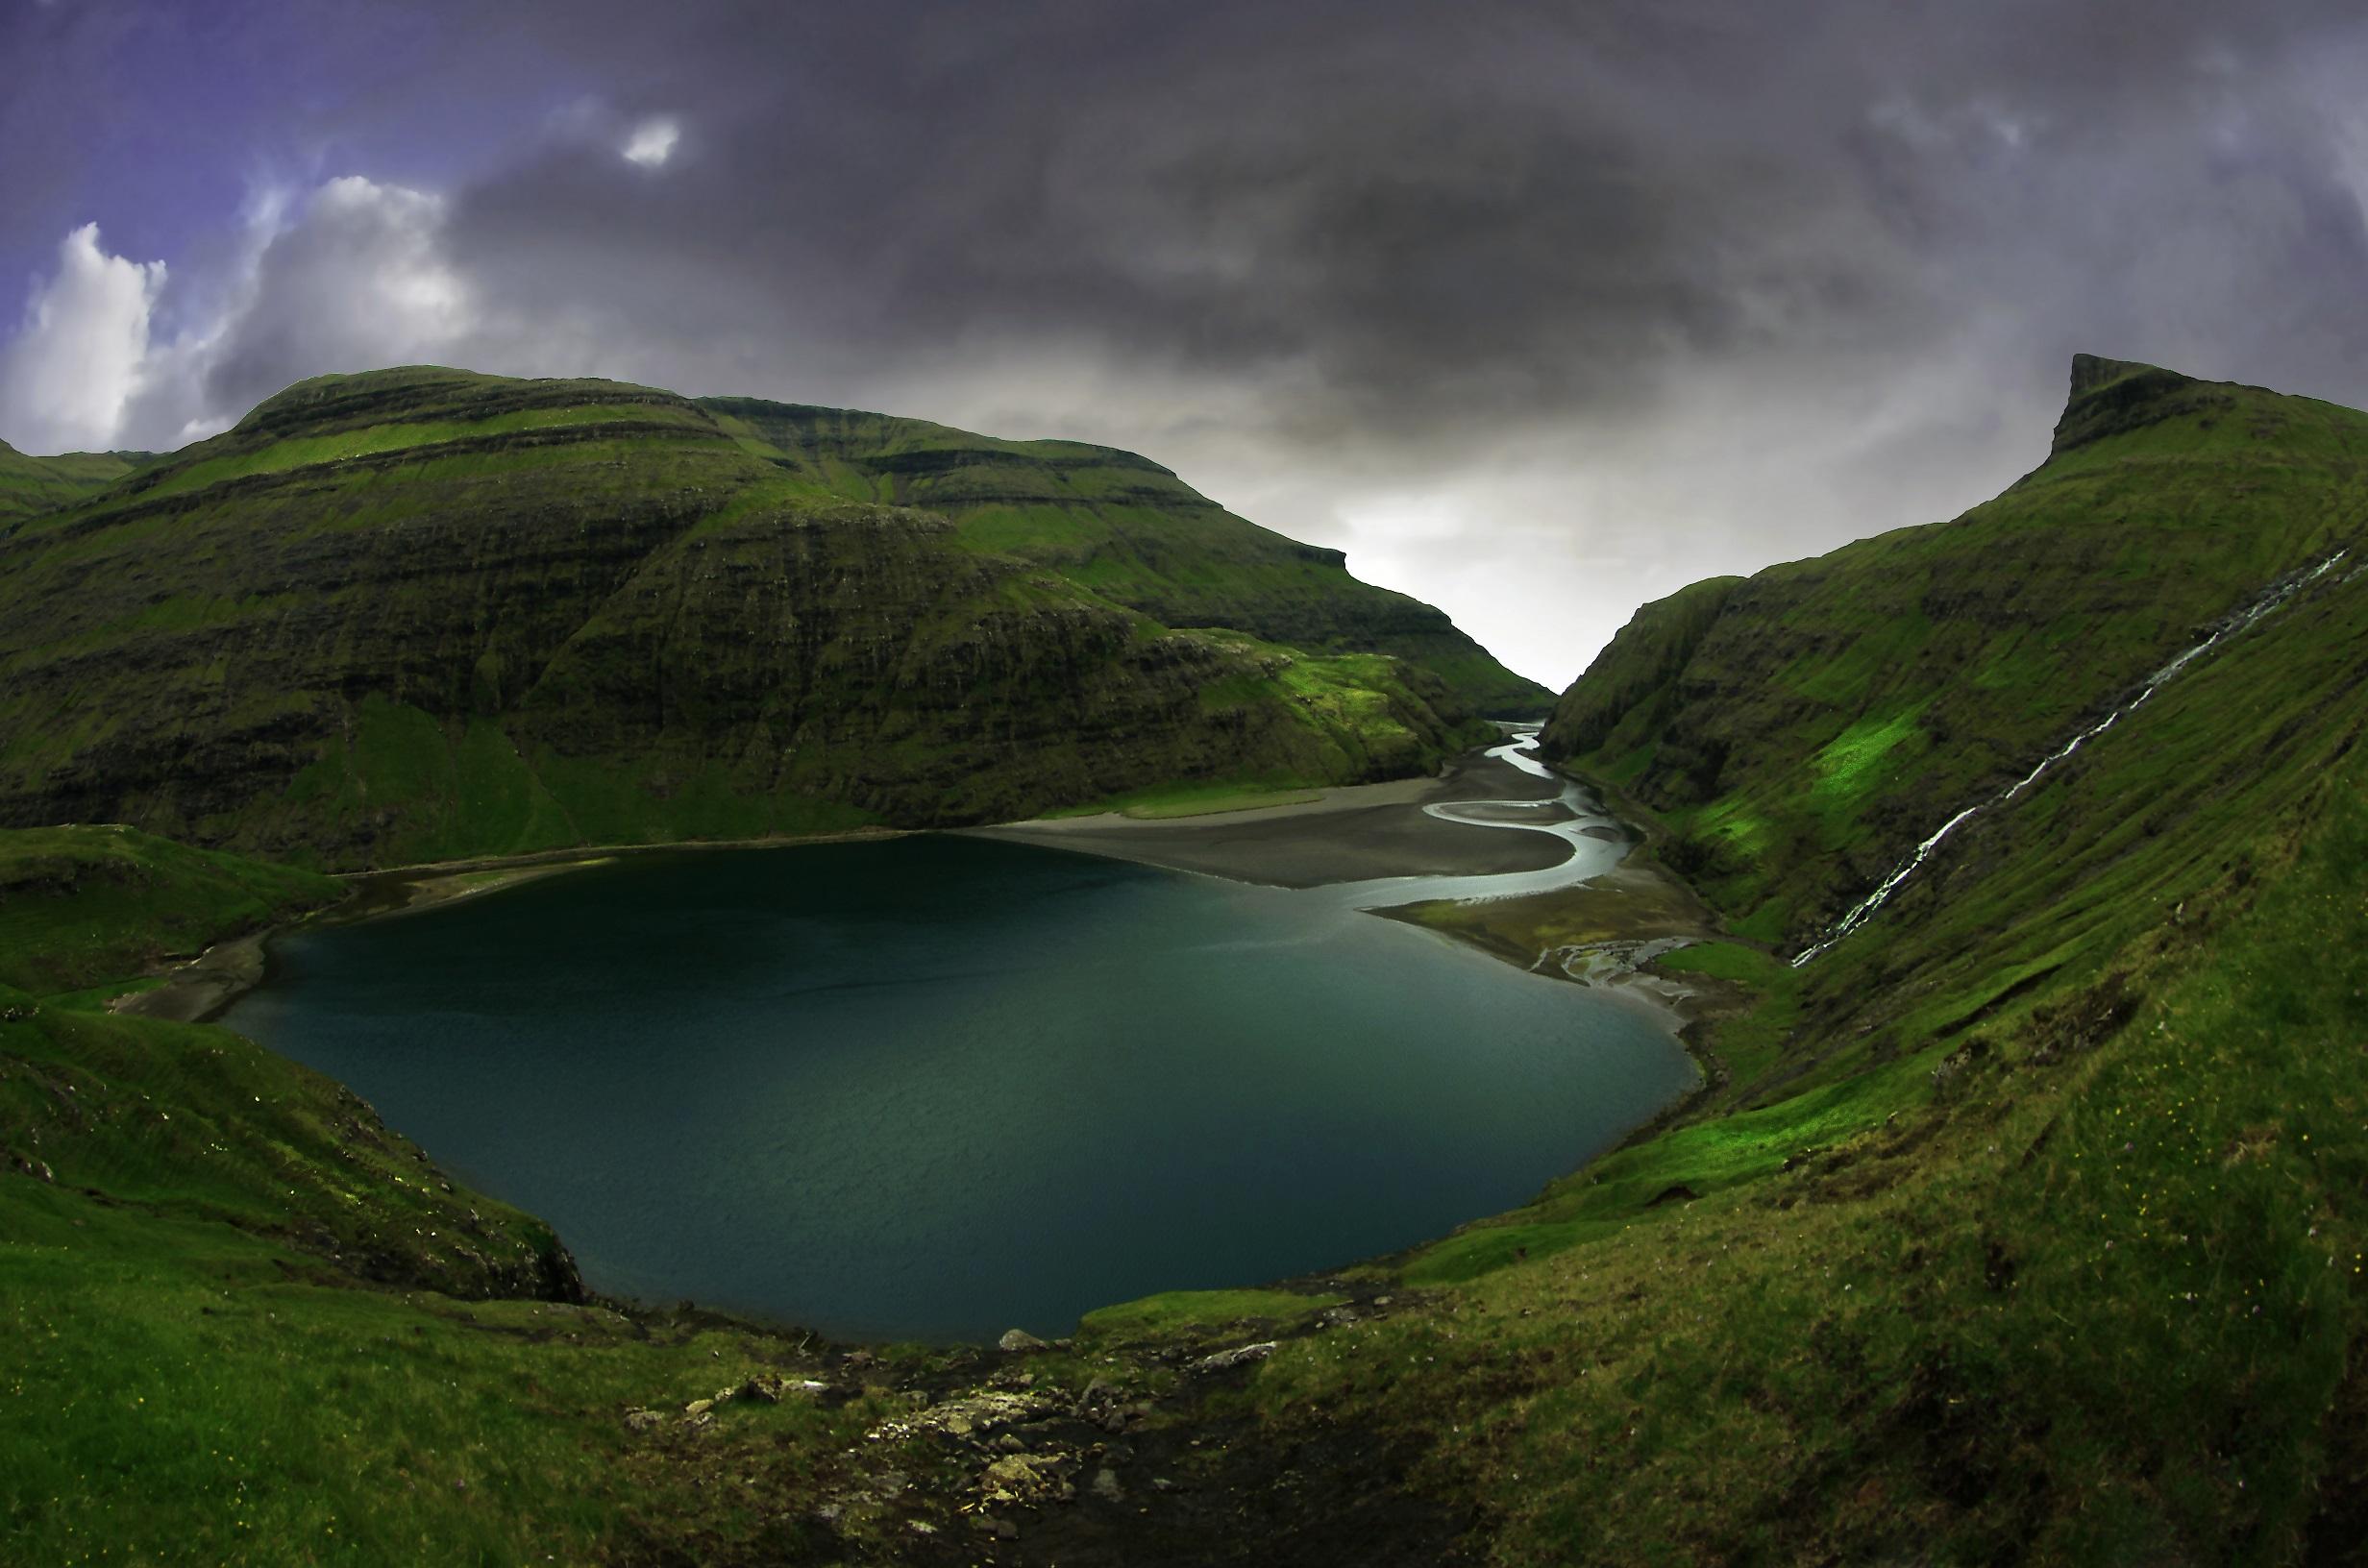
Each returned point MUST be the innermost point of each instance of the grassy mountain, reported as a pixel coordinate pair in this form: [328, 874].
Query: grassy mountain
[423, 613]
[2026, 1224]
[1131, 531]
[1802, 730]
[28, 485]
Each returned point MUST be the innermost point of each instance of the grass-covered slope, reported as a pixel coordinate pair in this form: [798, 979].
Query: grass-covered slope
[241, 1321]
[1132, 533]
[83, 906]
[2028, 1224]
[1802, 730]
[420, 614]
[28, 485]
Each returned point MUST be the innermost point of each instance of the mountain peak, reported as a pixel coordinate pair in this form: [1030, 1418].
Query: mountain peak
[2091, 371]
[2111, 396]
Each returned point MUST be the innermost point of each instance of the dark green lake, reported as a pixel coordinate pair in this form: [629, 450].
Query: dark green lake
[938, 1087]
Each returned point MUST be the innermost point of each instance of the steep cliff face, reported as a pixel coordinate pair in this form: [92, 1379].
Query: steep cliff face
[1638, 669]
[421, 614]
[1132, 533]
[1801, 730]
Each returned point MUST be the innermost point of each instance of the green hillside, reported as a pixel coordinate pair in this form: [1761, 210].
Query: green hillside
[1802, 730]
[421, 614]
[28, 485]
[2028, 1223]
[81, 906]
[2025, 1223]
[245, 1322]
[1131, 531]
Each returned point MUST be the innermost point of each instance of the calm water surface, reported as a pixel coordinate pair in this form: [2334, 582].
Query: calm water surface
[939, 1087]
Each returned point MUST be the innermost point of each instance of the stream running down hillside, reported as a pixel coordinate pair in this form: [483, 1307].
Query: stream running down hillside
[2274, 598]
[938, 1087]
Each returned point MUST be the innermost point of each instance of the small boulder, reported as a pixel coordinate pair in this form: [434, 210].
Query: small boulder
[1225, 1361]
[1020, 1340]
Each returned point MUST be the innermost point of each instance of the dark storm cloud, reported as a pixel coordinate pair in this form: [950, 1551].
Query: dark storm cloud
[1415, 214]
[1539, 309]
[1413, 222]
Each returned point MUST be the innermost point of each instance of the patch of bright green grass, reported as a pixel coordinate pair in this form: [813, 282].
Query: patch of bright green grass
[1192, 1313]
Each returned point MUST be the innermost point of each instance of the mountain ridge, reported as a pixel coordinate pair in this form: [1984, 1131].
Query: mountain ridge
[1806, 738]
[425, 613]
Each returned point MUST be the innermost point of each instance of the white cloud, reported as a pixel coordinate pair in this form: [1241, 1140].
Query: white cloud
[80, 356]
[652, 141]
[350, 276]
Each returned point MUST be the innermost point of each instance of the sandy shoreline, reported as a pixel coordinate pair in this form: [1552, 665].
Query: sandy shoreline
[1352, 833]
[1346, 833]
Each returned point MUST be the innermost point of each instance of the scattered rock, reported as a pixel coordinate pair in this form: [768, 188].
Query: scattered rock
[1024, 1477]
[698, 1407]
[1106, 1485]
[973, 1414]
[639, 1420]
[1225, 1361]
[1020, 1339]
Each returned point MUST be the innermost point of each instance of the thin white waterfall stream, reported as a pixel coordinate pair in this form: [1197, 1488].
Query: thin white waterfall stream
[2273, 599]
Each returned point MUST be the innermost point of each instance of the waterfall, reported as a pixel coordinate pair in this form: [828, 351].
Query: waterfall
[2275, 598]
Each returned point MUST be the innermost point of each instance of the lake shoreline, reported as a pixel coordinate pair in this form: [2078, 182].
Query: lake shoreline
[1361, 832]
[201, 989]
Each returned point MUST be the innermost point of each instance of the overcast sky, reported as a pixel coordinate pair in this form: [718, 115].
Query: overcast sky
[1539, 311]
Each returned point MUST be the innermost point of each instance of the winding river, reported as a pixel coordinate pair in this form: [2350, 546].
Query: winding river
[938, 1086]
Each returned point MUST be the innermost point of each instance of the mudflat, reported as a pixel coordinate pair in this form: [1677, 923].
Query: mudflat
[1345, 835]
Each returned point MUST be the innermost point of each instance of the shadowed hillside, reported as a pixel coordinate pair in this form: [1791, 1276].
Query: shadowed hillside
[1131, 531]
[422, 613]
